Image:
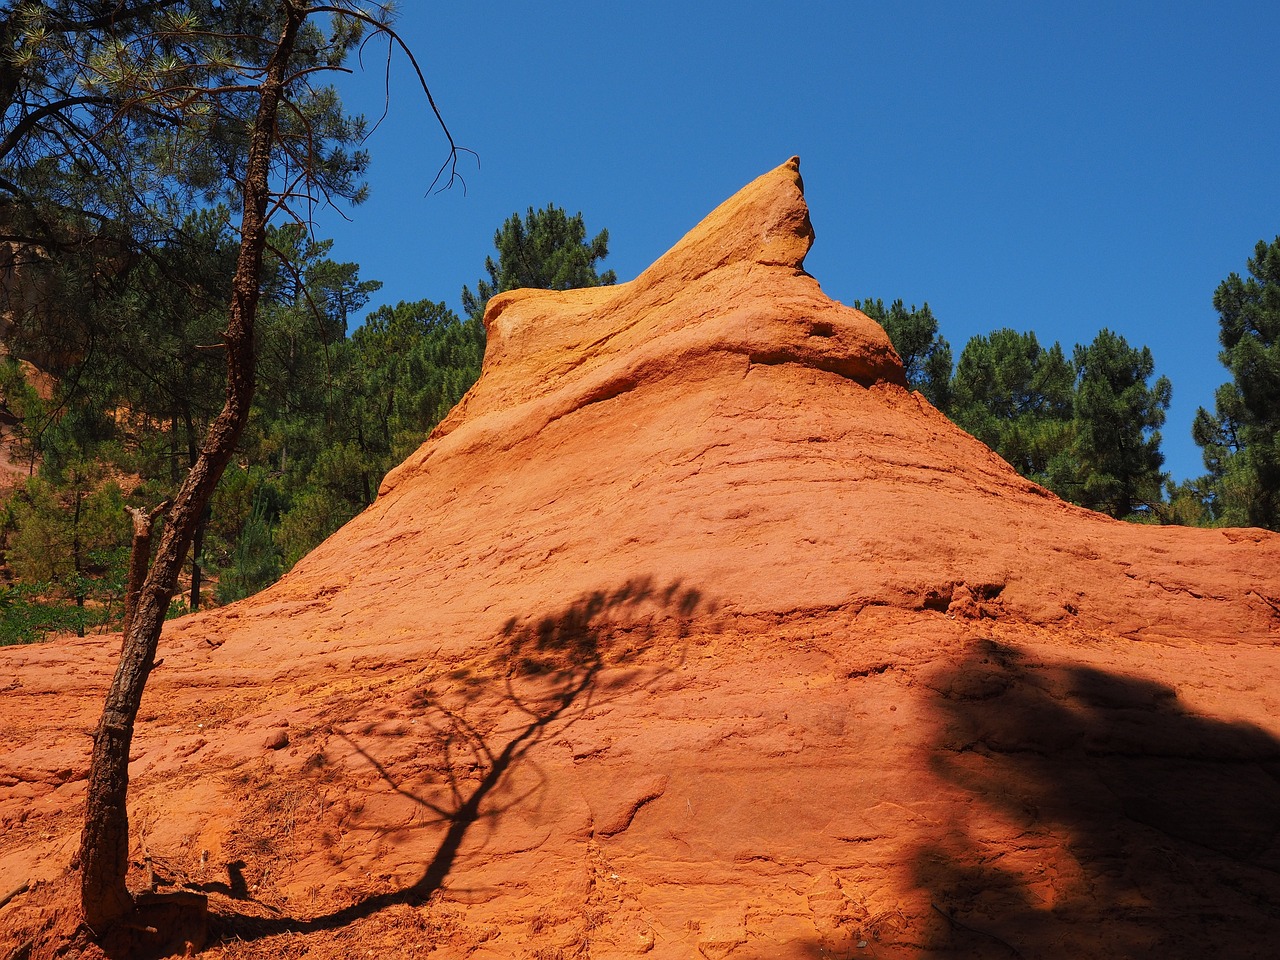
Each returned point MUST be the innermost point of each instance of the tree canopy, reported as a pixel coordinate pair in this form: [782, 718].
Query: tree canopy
[340, 403]
[119, 119]
[547, 250]
[1241, 438]
[925, 355]
[1085, 427]
[1117, 419]
[1016, 396]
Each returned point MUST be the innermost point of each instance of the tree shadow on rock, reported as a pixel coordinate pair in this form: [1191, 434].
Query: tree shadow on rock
[551, 671]
[1101, 818]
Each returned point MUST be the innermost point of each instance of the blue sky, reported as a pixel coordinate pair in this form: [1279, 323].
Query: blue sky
[1049, 167]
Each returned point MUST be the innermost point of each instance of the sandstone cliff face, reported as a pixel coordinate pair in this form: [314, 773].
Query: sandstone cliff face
[692, 632]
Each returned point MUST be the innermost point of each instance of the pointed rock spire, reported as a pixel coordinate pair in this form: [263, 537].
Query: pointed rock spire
[732, 291]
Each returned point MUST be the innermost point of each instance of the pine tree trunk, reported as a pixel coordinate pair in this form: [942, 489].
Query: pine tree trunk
[104, 844]
[197, 540]
[197, 556]
[139, 559]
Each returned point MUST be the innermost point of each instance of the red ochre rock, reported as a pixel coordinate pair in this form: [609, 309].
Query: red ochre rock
[692, 632]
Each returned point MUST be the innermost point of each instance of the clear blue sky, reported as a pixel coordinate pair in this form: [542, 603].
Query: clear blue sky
[1050, 167]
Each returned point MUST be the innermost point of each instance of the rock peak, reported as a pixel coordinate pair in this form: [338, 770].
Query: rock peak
[732, 291]
[766, 222]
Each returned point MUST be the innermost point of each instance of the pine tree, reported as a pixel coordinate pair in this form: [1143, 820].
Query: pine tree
[926, 356]
[176, 103]
[1016, 397]
[1117, 416]
[547, 250]
[1241, 438]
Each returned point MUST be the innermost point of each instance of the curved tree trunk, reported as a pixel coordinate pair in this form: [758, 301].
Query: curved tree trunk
[104, 844]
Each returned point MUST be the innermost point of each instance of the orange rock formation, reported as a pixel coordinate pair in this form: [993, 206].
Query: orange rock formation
[693, 633]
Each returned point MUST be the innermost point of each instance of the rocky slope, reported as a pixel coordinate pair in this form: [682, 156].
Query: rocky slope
[692, 632]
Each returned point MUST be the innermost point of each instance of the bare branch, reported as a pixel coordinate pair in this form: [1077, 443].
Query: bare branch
[451, 162]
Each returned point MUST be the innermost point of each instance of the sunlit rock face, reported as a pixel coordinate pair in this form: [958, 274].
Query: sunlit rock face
[693, 633]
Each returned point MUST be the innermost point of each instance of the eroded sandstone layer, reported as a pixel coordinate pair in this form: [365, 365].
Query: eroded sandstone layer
[693, 633]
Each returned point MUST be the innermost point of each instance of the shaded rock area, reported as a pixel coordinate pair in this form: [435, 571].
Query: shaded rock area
[693, 633]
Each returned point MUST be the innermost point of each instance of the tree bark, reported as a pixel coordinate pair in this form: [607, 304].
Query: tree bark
[197, 540]
[104, 843]
[197, 558]
[139, 559]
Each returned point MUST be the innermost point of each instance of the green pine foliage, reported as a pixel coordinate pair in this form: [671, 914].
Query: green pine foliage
[28, 613]
[26, 413]
[254, 562]
[409, 365]
[335, 410]
[1086, 427]
[926, 356]
[64, 540]
[1241, 438]
[547, 250]
[1016, 396]
[398, 375]
[1117, 416]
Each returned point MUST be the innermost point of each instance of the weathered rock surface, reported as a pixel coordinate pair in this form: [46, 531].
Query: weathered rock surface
[692, 633]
